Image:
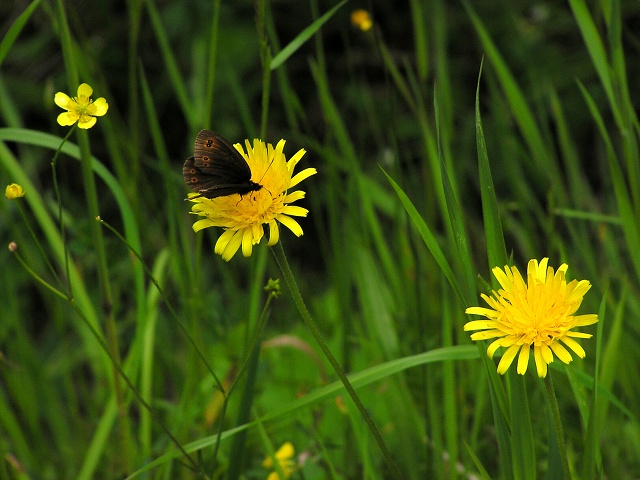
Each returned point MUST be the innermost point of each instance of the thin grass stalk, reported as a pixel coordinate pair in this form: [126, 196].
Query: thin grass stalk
[106, 348]
[41, 249]
[246, 399]
[171, 65]
[265, 60]
[56, 189]
[91, 197]
[211, 65]
[167, 303]
[557, 423]
[281, 260]
[134, 9]
[593, 456]
[449, 383]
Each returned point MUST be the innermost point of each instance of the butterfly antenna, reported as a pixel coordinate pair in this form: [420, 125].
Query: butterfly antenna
[265, 172]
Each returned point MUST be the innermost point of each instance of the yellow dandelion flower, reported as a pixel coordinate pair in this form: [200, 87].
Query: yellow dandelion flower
[284, 456]
[538, 314]
[243, 216]
[14, 191]
[80, 109]
[361, 19]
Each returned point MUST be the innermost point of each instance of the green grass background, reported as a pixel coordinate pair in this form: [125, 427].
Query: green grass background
[387, 264]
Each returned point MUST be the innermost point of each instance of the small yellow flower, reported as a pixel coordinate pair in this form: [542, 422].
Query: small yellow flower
[14, 191]
[284, 456]
[538, 314]
[362, 20]
[244, 216]
[80, 109]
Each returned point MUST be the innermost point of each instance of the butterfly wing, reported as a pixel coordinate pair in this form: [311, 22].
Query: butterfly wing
[217, 169]
[215, 156]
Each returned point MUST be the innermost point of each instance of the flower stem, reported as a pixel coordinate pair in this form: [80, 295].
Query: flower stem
[265, 60]
[281, 259]
[56, 189]
[557, 423]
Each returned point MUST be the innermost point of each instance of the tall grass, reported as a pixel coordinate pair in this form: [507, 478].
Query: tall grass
[449, 139]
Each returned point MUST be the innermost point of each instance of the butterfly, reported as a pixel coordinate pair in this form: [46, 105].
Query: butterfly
[217, 169]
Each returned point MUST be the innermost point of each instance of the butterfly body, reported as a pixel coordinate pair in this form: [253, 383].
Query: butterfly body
[217, 169]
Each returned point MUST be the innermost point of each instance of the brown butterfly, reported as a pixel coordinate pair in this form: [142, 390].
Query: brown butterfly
[217, 169]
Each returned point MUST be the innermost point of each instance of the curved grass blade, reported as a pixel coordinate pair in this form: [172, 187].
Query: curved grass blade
[496, 249]
[302, 37]
[428, 237]
[623, 198]
[358, 380]
[171, 64]
[15, 29]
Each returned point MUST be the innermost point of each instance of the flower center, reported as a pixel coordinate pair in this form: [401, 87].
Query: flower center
[82, 104]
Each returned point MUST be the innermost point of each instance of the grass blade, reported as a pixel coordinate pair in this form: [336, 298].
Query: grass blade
[303, 36]
[15, 29]
[429, 238]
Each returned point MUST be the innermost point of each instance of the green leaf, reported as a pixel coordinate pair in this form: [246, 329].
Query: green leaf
[428, 237]
[456, 223]
[625, 207]
[483, 471]
[543, 157]
[358, 380]
[496, 249]
[596, 50]
[592, 456]
[171, 64]
[302, 37]
[522, 442]
[15, 29]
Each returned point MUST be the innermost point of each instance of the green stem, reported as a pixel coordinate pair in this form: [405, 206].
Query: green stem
[72, 57]
[281, 259]
[105, 348]
[172, 310]
[41, 248]
[246, 401]
[106, 298]
[211, 66]
[265, 59]
[37, 277]
[557, 423]
[59, 200]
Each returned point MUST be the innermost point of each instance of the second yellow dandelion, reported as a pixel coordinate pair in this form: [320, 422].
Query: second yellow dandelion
[537, 315]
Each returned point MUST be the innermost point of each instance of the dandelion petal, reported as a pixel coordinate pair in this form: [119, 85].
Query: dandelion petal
[246, 216]
[536, 313]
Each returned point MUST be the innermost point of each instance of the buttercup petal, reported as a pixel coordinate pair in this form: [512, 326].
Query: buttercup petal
[67, 118]
[85, 90]
[101, 106]
[63, 100]
[87, 122]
